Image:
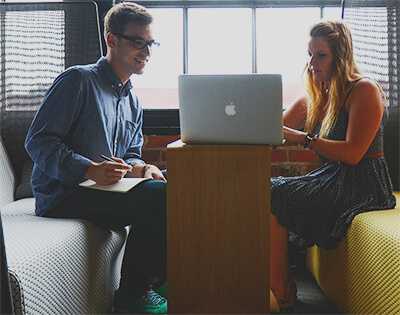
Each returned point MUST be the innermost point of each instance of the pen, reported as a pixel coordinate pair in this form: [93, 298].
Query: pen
[106, 158]
[111, 160]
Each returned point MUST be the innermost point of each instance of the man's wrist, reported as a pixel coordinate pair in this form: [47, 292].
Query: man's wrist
[137, 163]
[137, 169]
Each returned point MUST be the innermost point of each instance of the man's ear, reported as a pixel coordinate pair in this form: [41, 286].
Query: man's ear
[110, 40]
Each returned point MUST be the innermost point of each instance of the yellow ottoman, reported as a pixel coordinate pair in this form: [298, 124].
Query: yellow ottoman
[362, 275]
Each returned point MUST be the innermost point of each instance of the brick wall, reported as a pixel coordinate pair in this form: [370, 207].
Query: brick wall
[286, 160]
[154, 149]
[292, 161]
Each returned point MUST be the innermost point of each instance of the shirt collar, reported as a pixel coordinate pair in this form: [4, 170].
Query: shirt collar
[117, 85]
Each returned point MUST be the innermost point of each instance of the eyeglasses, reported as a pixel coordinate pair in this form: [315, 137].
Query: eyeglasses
[138, 42]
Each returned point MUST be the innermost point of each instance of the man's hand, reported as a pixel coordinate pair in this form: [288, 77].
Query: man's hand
[152, 171]
[146, 171]
[107, 173]
[121, 161]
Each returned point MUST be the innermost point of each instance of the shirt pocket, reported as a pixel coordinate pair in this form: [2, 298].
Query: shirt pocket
[128, 133]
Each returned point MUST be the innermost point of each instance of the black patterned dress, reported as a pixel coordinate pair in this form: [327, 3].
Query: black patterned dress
[319, 207]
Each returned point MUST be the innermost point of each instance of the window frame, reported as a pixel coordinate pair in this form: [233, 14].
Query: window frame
[166, 121]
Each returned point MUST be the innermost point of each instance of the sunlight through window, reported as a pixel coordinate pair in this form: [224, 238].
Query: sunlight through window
[158, 86]
[282, 37]
[219, 41]
[332, 13]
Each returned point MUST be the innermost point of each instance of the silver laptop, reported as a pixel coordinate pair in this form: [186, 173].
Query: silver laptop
[231, 109]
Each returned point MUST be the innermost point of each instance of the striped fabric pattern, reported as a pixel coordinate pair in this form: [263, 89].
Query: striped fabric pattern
[362, 275]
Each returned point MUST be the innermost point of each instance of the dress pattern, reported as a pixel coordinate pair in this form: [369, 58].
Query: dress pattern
[319, 206]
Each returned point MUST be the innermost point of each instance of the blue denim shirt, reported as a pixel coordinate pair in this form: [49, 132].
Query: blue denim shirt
[86, 112]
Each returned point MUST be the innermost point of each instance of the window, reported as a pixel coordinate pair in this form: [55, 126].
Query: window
[222, 44]
[332, 13]
[158, 87]
[224, 36]
[282, 36]
[230, 41]
[225, 44]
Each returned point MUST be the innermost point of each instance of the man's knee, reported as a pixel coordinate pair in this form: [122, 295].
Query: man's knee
[153, 194]
[155, 188]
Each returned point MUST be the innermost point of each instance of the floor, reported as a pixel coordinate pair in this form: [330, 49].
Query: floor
[310, 299]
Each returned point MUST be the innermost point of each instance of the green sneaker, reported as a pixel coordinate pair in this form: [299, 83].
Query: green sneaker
[162, 290]
[150, 303]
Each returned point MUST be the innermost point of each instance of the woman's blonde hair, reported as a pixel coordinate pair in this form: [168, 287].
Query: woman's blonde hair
[344, 71]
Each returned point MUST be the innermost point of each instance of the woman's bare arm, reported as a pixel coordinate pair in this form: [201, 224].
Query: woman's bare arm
[365, 114]
[295, 116]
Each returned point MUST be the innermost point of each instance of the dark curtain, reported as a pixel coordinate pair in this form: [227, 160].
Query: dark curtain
[103, 7]
[375, 30]
[67, 34]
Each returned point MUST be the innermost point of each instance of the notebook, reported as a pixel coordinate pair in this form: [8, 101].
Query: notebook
[231, 109]
[123, 186]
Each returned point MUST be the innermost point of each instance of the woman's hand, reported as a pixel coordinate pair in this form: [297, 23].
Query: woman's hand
[293, 136]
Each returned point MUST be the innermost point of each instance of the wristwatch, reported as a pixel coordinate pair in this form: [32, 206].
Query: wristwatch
[308, 139]
[145, 169]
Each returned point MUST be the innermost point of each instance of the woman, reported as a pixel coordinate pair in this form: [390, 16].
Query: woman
[342, 121]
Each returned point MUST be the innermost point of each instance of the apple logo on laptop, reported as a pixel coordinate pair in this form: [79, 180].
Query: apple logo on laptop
[230, 109]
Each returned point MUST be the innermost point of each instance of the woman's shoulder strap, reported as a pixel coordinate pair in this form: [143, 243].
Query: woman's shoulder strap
[352, 85]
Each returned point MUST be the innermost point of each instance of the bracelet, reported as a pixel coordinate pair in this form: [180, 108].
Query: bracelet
[308, 139]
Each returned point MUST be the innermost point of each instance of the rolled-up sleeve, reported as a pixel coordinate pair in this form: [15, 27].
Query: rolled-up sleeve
[46, 141]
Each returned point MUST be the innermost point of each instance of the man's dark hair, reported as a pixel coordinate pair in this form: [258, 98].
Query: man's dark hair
[124, 13]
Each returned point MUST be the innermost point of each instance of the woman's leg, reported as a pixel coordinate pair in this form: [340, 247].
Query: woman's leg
[279, 266]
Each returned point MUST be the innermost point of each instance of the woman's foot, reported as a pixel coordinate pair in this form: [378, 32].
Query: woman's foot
[273, 303]
[286, 301]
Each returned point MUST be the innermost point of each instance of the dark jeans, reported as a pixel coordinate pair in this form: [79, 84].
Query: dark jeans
[143, 207]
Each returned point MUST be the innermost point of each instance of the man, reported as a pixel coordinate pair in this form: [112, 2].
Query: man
[91, 111]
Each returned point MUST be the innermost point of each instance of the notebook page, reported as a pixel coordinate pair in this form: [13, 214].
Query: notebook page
[124, 185]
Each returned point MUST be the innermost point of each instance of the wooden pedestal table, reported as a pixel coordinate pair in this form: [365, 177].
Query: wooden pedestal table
[218, 228]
